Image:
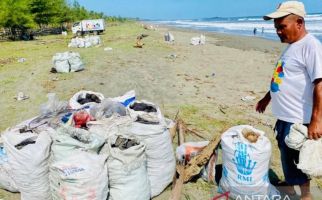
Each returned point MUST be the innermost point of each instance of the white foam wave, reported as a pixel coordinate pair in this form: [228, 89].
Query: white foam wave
[313, 18]
[241, 25]
[250, 19]
[246, 25]
[309, 17]
[229, 25]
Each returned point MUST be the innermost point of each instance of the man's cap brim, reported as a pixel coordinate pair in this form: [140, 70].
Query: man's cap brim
[275, 15]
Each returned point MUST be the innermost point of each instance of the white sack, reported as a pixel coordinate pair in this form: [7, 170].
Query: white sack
[82, 175]
[195, 41]
[73, 103]
[245, 164]
[159, 151]
[297, 136]
[153, 117]
[108, 127]
[62, 66]
[67, 62]
[107, 108]
[6, 179]
[67, 141]
[128, 173]
[95, 40]
[198, 40]
[126, 99]
[310, 159]
[29, 164]
[76, 64]
[202, 39]
[86, 42]
[168, 37]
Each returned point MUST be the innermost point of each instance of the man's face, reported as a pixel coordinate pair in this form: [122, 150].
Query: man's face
[287, 28]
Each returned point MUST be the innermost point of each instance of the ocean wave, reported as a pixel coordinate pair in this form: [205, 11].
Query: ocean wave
[316, 18]
[250, 19]
[309, 17]
[244, 25]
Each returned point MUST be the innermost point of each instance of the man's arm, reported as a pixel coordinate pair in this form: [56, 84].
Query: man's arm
[262, 104]
[315, 127]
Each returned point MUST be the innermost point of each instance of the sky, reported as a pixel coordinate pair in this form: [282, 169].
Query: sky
[189, 9]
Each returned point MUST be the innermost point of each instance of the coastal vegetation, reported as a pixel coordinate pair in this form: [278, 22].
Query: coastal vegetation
[20, 16]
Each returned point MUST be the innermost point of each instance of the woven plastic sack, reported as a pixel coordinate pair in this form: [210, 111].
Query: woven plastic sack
[6, 179]
[128, 172]
[82, 175]
[297, 136]
[29, 163]
[246, 154]
[160, 156]
[74, 104]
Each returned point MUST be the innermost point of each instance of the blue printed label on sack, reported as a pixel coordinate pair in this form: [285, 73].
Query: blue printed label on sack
[265, 178]
[72, 170]
[3, 155]
[225, 172]
[244, 164]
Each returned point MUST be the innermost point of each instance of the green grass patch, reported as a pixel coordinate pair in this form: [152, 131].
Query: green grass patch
[199, 119]
[7, 81]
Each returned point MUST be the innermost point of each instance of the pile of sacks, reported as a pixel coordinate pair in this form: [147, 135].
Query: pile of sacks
[168, 37]
[201, 40]
[91, 147]
[86, 42]
[67, 62]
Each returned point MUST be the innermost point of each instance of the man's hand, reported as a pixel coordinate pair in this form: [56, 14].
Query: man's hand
[315, 127]
[315, 130]
[262, 104]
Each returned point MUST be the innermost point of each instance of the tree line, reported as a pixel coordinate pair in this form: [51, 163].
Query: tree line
[38, 14]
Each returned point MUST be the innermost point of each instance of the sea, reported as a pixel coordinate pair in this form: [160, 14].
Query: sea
[243, 25]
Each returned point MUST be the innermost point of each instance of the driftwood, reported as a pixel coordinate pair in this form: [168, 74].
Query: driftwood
[173, 131]
[195, 165]
[186, 172]
[177, 184]
[181, 134]
[195, 132]
[189, 130]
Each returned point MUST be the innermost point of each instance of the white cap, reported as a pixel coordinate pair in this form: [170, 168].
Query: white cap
[286, 8]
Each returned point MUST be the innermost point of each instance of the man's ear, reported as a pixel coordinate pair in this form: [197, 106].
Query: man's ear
[300, 22]
[317, 81]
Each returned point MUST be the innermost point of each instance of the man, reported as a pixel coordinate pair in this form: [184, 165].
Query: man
[254, 31]
[296, 88]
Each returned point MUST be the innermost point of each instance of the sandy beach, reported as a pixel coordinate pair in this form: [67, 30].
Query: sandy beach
[213, 86]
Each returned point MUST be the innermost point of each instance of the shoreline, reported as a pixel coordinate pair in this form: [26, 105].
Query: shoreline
[229, 40]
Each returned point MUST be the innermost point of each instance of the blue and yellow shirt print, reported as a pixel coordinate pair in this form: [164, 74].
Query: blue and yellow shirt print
[278, 75]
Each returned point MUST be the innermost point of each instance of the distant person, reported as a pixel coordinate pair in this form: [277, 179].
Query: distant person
[254, 31]
[296, 89]
[262, 30]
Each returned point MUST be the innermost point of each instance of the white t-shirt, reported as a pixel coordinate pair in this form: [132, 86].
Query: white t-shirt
[292, 82]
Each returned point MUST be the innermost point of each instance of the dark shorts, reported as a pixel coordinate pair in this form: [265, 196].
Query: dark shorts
[289, 157]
